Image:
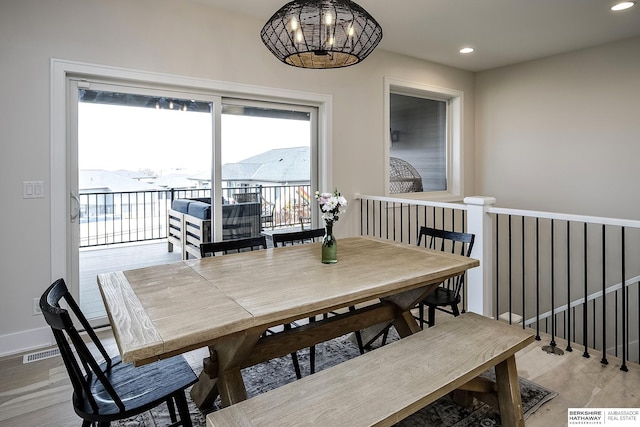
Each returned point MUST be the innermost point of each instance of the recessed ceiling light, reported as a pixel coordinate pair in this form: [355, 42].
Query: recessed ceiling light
[466, 50]
[623, 5]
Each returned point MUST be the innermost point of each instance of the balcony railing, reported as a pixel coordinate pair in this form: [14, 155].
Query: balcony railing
[575, 278]
[133, 216]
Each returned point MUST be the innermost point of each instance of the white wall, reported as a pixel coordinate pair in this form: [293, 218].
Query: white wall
[174, 37]
[562, 134]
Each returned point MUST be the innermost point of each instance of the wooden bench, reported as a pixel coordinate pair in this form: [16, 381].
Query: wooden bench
[386, 385]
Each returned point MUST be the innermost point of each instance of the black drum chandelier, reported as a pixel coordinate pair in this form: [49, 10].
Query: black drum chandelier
[321, 33]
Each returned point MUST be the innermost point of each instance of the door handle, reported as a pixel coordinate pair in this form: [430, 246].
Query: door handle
[75, 210]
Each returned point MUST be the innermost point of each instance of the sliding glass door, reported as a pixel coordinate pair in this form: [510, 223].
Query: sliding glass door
[134, 150]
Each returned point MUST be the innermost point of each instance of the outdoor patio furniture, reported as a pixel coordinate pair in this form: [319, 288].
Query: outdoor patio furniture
[189, 223]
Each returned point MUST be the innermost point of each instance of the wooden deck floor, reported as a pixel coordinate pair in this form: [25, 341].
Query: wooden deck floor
[116, 258]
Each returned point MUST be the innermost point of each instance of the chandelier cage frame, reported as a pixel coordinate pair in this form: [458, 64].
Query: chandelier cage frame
[321, 34]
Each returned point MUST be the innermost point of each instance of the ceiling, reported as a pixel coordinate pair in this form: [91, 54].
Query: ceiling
[502, 32]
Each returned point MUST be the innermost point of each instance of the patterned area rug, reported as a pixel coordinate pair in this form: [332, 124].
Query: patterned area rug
[277, 372]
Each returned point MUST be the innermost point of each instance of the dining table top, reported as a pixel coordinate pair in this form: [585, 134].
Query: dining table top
[160, 311]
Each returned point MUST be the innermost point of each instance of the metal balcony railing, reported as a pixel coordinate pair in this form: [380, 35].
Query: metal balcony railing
[573, 277]
[108, 218]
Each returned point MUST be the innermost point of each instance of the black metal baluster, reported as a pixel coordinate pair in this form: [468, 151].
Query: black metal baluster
[523, 274]
[594, 323]
[568, 323]
[604, 360]
[537, 279]
[371, 205]
[401, 223]
[464, 221]
[510, 289]
[624, 308]
[380, 217]
[615, 324]
[497, 266]
[362, 220]
[386, 210]
[586, 292]
[453, 219]
[394, 221]
[373, 218]
[552, 347]
[409, 223]
[573, 309]
[426, 217]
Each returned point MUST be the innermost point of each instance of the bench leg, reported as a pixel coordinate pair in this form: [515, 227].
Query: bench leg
[509, 398]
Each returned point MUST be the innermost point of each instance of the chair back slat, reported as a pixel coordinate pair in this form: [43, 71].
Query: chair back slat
[238, 245]
[297, 237]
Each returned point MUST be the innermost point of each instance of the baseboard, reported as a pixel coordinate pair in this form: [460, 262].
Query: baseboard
[25, 341]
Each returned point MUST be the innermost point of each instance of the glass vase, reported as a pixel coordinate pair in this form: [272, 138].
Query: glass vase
[329, 246]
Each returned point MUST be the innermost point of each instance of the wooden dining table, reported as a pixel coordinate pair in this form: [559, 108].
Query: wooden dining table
[227, 303]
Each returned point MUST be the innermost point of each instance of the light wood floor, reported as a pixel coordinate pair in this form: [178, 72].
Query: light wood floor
[38, 393]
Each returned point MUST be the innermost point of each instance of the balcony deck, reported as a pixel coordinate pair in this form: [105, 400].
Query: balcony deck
[103, 259]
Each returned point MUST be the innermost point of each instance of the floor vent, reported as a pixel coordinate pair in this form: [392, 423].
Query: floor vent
[44, 354]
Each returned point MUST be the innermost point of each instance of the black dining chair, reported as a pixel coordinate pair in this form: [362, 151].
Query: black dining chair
[240, 245]
[231, 246]
[112, 390]
[301, 237]
[446, 297]
[297, 237]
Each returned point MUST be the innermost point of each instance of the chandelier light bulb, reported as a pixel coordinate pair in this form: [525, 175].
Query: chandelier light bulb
[328, 19]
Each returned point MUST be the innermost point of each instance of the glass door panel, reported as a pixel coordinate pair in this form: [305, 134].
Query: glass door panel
[137, 150]
[266, 156]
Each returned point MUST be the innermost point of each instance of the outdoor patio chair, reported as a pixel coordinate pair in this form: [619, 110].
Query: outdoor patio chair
[112, 390]
[448, 293]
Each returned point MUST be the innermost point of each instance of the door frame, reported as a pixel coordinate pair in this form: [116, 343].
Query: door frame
[61, 71]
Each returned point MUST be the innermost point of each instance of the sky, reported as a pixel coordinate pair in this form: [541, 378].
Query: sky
[134, 138]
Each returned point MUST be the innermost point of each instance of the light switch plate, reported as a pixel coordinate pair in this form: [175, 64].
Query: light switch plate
[32, 189]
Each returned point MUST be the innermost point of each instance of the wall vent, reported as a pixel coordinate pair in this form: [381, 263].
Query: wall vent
[39, 355]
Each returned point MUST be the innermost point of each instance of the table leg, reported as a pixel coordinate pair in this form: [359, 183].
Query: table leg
[509, 398]
[205, 391]
[231, 387]
[221, 374]
[404, 323]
